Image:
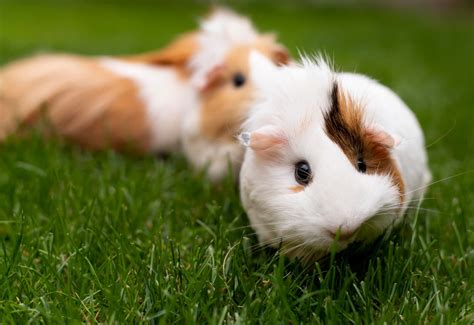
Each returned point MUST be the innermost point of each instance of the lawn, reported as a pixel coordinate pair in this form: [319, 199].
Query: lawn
[102, 237]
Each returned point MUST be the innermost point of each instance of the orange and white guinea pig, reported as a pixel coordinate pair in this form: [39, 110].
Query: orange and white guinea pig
[191, 95]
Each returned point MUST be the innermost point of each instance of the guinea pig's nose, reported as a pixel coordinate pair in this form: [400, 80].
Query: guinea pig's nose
[342, 233]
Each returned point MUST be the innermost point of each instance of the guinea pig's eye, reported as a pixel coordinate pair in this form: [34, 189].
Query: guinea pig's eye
[238, 79]
[361, 166]
[303, 172]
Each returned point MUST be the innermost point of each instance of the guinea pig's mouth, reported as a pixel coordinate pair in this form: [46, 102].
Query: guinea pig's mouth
[339, 244]
[375, 226]
[307, 247]
[343, 236]
[368, 230]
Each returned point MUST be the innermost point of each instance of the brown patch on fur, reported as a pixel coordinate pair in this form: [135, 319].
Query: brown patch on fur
[224, 106]
[345, 126]
[276, 52]
[77, 99]
[176, 54]
[297, 188]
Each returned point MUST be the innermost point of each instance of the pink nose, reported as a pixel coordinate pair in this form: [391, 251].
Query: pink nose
[342, 233]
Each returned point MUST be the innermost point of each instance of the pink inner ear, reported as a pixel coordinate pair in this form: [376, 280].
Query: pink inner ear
[384, 138]
[280, 55]
[268, 142]
[212, 77]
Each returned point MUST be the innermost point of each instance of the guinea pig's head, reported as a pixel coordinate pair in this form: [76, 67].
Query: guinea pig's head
[316, 174]
[228, 91]
[221, 74]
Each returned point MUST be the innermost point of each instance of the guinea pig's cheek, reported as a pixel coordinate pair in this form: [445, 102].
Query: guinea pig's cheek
[374, 227]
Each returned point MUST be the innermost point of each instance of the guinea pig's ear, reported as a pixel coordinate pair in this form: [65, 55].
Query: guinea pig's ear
[177, 53]
[262, 70]
[268, 141]
[378, 134]
[278, 53]
[212, 78]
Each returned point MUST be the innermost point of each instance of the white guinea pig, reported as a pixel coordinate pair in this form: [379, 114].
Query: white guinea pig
[331, 159]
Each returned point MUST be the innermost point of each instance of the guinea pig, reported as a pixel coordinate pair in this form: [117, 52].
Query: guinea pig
[196, 88]
[222, 75]
[331, 158]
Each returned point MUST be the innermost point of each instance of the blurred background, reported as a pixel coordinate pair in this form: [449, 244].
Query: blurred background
[101, 26]
[79, 230]
[423, 49]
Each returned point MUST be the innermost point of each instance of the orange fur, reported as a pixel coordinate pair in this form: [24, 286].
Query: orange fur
[297, 188]
[82, 101]
[177, 53]
[78, 99]
[98, 109]
[224, 106]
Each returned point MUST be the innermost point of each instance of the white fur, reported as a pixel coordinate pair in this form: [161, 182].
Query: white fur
[204, 153]
[339, 195]
[166, 97]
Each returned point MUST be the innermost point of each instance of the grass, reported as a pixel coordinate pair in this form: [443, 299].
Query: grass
[107, 238]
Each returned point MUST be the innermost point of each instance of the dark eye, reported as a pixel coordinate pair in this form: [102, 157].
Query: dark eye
[238, 80]
[361, 166]
[303, 172]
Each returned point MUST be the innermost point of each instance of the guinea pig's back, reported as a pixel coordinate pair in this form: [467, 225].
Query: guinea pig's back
[167, 97]
[96, 102]
[74, 97]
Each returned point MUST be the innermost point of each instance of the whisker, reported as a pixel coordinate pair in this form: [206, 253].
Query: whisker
[443, 136]
[293, 248]
[440, 180]
[271, 241]
[261, 224]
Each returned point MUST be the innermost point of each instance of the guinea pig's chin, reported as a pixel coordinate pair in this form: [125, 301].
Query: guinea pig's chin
[299, 243]
[310, 252]
[376, 227]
